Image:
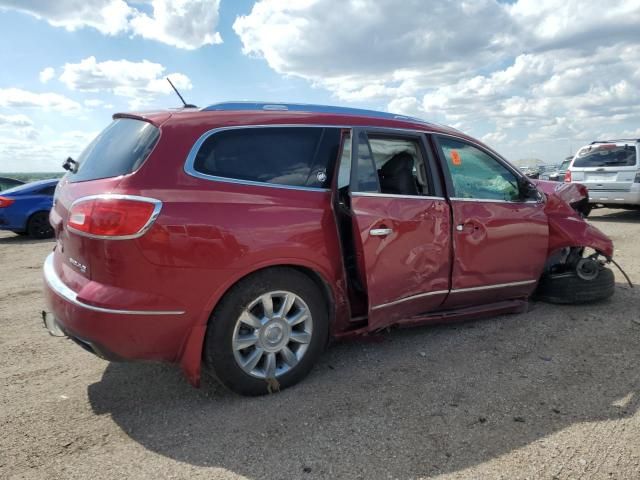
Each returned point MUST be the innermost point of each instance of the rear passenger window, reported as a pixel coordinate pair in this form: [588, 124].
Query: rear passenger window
[295, 156]
[400, 166]
[391, 165]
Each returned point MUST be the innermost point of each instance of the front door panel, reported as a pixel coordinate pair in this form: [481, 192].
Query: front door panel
[499, 250]
[500, 234]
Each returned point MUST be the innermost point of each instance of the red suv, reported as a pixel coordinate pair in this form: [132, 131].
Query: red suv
[245, 235]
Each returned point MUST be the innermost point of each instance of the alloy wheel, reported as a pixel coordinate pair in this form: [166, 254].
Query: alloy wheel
[272, 334]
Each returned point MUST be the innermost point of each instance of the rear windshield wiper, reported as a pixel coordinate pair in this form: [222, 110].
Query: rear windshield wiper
[71, 165]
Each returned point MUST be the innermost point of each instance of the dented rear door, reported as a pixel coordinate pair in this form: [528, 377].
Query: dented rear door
[402, 240]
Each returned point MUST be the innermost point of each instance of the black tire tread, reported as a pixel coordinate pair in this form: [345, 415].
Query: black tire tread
[568, 288]
[31, 228]
[217, 354]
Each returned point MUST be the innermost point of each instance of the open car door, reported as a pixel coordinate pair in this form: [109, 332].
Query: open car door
[401, 225]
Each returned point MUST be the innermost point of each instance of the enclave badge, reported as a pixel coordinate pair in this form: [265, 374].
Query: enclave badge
[78, 265]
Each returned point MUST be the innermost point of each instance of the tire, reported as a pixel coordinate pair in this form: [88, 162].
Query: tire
[39, 227]
[275, 369]
[586, 210]
[568, 288]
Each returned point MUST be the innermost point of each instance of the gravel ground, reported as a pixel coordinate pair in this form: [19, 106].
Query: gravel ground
[552, 393]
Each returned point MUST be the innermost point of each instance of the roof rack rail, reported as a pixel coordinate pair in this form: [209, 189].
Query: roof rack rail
[616, 140]
[308, 108]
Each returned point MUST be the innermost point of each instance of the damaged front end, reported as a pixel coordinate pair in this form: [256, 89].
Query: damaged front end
[577, 252]
[567, 227]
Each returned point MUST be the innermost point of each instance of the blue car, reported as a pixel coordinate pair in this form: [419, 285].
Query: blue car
[25, 209]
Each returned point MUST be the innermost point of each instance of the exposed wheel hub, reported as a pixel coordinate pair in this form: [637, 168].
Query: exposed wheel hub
[587, 268]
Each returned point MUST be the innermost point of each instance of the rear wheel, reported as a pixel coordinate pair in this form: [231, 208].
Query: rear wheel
[572, 288]
[39, 226]
[267, 332]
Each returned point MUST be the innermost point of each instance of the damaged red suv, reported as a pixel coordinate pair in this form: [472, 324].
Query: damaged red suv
[243, 236]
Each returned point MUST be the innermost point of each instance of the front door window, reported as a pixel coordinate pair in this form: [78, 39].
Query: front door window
[476, 175]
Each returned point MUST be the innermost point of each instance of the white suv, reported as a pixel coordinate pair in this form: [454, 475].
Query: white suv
[610, 170]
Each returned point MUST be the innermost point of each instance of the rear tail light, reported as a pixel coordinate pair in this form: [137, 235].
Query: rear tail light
[5, 202]
[567, 176]
[113, 216]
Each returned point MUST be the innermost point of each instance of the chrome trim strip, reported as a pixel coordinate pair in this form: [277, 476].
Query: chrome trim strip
[115, 196]
[393, 195]
[412, 297]
[191, 157]
[58, 286]
[489, 287]
[487, 200]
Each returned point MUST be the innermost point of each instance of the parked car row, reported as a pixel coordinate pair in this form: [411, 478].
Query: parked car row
[24, 209]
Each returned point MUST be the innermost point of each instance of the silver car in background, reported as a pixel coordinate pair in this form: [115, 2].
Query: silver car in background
[610, 170]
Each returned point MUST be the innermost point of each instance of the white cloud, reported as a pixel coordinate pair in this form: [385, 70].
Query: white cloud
[47, 74]
[15, 120]
[140, 82]
[18, 98]
[514, 73]
[187, 24]
[24, 155]
[108, 16]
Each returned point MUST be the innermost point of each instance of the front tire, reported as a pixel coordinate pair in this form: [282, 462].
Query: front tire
[267, 332]
[569, 288]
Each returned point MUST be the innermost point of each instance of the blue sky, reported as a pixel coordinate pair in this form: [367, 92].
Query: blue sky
[532, 79]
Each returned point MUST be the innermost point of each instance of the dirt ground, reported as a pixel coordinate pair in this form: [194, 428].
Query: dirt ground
[552, 393]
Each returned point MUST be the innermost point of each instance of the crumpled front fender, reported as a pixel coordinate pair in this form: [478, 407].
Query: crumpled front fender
[568, 229]
[568, 192]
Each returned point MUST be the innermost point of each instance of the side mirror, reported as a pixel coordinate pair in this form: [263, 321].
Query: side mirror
[528, 190]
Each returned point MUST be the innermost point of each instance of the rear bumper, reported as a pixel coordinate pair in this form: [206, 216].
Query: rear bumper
[613, 197]
[114, 334]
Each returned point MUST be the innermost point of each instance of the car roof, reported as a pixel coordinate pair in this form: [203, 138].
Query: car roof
[296, 113]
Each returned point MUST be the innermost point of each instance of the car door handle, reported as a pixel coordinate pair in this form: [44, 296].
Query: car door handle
[467, 226]
[380, 232]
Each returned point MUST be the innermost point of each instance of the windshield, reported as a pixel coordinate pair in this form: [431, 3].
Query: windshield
[564, 165]
[606, 155]
[119, 149]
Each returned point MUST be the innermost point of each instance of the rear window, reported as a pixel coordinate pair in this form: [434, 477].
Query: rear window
[606, 155]
[295, 156]
[119, 149]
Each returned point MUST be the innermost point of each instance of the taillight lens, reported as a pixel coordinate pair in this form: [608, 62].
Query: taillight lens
[567, 176]
[113, 216]
[5, 202]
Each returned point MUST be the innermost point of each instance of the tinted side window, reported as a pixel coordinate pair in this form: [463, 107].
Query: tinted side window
[119, 149]
[296, 156]
[475, 174]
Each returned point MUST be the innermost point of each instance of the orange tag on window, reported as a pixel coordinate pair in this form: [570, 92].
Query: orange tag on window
[455, 158]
